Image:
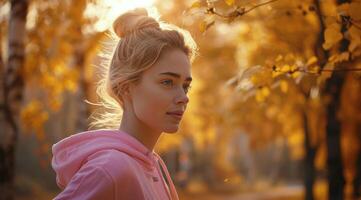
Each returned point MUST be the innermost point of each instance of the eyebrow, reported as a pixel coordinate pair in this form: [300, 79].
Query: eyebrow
[175, 75]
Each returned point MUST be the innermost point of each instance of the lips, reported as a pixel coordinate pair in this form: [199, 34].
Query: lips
[179, 113]
[176, 114]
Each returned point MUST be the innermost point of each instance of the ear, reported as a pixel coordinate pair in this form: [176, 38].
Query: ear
[126, 91]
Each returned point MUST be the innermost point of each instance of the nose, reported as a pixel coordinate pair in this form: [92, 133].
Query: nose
[182, 99]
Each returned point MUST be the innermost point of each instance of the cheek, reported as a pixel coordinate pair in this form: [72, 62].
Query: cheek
[151, 103]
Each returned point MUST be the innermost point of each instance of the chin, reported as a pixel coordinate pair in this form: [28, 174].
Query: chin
[171, 129]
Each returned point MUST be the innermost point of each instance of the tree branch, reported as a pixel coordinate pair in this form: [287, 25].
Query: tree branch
[238, 11]
[258, 5]
[323, 70]
[353, 22]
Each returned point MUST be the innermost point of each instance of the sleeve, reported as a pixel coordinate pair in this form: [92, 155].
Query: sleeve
[89, 183]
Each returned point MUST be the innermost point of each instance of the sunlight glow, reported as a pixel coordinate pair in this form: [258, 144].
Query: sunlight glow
[108, 10]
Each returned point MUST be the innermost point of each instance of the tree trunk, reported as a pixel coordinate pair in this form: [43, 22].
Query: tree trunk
[333, 131]
[333, 88]
[81, 94]
[322, 56]
[309, 176]
[13, 84]
[333, 127]
[357, 179]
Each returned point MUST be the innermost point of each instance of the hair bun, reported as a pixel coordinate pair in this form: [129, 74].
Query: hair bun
[133, 20]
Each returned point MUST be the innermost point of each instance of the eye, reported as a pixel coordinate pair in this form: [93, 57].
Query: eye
[187, 88]
[167, 82]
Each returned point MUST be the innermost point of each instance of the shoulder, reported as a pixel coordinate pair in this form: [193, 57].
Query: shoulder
[123, 172]
[106, 174]
[115, 163]
[90, 182]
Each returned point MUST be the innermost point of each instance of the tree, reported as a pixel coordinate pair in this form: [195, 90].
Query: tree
[12, 96]
[321, 40]
[56, 56]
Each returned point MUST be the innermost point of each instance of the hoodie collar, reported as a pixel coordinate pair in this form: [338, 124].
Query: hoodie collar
[129, 139]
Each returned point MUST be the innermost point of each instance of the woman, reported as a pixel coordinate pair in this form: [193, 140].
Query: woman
[148, 79]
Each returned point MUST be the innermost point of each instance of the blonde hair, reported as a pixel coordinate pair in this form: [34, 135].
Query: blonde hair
[142, 40]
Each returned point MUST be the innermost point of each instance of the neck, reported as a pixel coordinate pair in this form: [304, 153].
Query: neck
[131, 125]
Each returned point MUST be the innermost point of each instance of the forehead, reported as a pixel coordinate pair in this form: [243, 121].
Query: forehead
[172, 61]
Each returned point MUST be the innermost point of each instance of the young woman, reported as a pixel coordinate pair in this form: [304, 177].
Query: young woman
[148, 79]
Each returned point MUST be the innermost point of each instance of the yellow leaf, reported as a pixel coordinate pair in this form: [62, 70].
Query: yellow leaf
[332, 36]
[229, 2]
[314, 69]
[55, 104]
[254, 79]
[296, 74]
[285, 68]
[284, 86]
[204, 26]
[293, 68]
[344, 8]
[33, 116]
[259, 96]
[332, 58]
[325, 75]
[266, 91]
[289, 57]
[70, 85]
[355, 38]
[343, 57]
[354, 10]
[279, 58]
[311, 61]
[59, 69]
[276, 73]
[196, 4]
[295, 141]
[262, 93]
[353, 45]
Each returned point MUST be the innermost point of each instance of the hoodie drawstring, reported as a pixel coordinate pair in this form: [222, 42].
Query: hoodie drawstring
[174, 195]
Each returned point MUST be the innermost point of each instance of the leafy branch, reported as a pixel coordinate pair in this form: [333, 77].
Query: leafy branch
[237, 12]
[275, 69]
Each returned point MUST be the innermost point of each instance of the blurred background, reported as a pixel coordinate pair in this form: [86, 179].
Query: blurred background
[274, 112]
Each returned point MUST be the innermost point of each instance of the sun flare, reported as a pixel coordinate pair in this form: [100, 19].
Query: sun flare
[110, 9]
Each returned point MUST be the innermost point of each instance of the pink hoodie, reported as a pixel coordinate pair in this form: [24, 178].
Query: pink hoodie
[109, 164]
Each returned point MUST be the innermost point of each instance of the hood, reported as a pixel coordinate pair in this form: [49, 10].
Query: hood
[71, 153]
